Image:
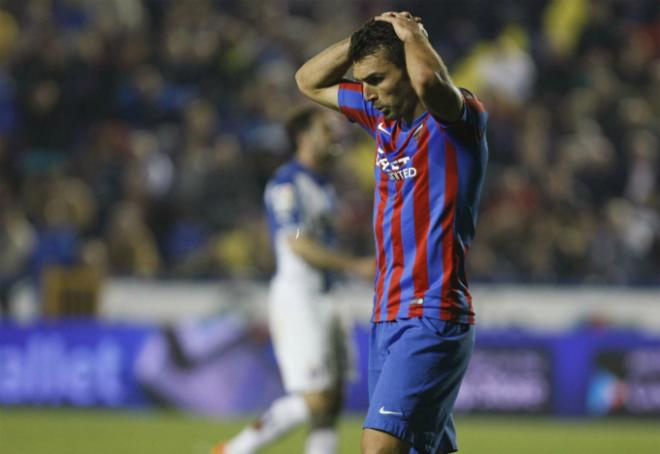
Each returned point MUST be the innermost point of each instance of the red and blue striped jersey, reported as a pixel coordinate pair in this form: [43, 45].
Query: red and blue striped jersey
[428, 177]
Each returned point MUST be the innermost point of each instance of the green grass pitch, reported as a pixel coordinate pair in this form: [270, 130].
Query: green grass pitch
[31, 431]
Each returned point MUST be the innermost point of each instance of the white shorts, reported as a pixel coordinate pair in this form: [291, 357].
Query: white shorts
[309, 341]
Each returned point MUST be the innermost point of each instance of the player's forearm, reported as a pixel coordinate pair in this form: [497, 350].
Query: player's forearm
[430, 78]
[325, 69]
[423, 63]
[318, 255]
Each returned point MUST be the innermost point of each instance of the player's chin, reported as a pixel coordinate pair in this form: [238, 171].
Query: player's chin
[389, 114]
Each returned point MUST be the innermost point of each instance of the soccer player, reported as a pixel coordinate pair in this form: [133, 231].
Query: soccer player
[308, 341]
[430, 163]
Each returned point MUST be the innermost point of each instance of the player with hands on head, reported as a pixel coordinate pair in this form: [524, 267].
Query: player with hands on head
[430, 162]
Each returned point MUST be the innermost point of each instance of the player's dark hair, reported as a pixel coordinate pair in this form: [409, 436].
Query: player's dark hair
[299, 121]
[375, 35]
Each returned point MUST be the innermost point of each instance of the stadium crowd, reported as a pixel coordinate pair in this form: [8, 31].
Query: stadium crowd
[136, 136]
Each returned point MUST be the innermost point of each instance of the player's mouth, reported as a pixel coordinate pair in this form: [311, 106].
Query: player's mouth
[388, 113]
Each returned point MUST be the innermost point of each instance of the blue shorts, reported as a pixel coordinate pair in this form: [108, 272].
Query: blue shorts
[415, 370]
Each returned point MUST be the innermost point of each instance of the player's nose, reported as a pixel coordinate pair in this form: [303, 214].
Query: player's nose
[369, 93]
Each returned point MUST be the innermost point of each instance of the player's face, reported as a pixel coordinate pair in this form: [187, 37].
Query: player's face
[322, 137]
[385, 85]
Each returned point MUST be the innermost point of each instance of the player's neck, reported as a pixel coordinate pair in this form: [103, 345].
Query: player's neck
[306, 160]
[415, 112]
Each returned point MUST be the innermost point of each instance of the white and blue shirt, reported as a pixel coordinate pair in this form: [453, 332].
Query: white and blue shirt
[299, 201]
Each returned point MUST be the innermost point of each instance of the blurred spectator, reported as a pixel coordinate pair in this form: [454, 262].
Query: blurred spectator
[132, 247]
[17, 239]
[58, 241]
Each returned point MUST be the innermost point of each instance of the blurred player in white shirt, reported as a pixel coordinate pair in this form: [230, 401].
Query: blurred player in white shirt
[309, 343]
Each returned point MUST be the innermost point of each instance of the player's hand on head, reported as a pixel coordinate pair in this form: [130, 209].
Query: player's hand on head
[404, 23]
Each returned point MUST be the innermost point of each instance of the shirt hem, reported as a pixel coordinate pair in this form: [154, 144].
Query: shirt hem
[435, 311]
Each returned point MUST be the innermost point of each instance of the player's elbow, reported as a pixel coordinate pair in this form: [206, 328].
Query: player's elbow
[299, 79]
[308, 86]
[302, 82]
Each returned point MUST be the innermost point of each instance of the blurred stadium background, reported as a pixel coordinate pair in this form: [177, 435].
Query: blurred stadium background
[136, 138]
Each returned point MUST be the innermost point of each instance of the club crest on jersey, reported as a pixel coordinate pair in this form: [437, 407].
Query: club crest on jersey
[398, 169]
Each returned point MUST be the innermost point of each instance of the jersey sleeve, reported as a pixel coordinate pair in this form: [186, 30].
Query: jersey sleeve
[283, 207]
[473, 118]
[357, 109]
